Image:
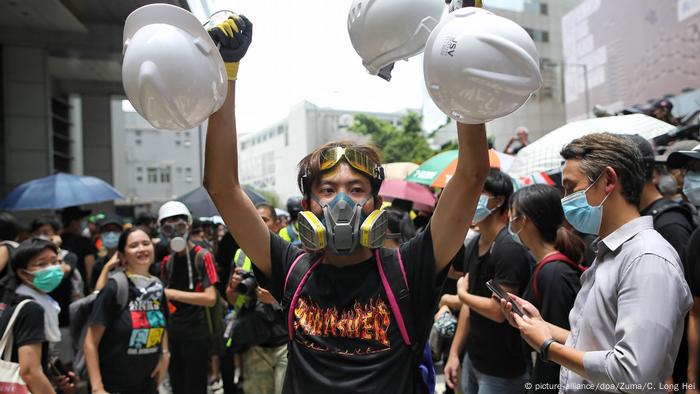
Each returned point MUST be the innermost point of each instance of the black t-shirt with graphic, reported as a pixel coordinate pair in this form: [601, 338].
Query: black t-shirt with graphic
[187, 321]
[495, 348]
[28, 328]
[131, 345]
[346, 339]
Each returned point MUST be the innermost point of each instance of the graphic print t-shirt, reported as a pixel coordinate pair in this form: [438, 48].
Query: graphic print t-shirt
[346, 339]
[130, 347]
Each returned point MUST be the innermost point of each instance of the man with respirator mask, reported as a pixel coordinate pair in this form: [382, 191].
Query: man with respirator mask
[189, 275]
[358, 315]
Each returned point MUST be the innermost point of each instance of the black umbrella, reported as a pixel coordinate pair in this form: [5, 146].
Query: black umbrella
[201, 205]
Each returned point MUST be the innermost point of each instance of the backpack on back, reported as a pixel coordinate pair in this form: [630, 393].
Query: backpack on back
[80, 311]
[558, 256]
[395, 284]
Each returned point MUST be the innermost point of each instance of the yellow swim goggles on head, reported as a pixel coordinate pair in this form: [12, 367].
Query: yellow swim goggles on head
[357, 159]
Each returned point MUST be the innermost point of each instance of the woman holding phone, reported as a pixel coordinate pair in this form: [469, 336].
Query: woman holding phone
[537, 221]
[126, 348]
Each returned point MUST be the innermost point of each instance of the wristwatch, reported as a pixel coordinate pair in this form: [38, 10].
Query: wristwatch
[544, 349]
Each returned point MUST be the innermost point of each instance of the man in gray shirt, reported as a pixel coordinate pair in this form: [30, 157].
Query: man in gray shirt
[627, 320]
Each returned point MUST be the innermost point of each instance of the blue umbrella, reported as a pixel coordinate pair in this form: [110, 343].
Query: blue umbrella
[59, 191]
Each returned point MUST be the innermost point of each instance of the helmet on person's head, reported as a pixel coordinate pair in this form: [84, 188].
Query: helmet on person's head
[479, 66]
[173, 208]
[294, 206]
[172, 73]
[384, 31]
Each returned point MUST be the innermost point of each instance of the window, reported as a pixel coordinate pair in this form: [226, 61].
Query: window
[137, 141]
[188, 179]
[544, 9]
[188, 169]
[187, 134]
[178, 170]
[165, 175]
[139, 169]
[187, 143]
[177, 142]
[138, 133]
[545, 36]
[139, 179]
[152, 175]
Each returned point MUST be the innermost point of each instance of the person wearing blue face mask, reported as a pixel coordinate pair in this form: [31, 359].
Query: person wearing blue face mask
[494, 361]
[537, 220]
[35, 328]
[111, 227]
[627, 320]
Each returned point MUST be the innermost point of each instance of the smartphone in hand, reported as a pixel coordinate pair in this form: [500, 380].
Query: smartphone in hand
[502, 294]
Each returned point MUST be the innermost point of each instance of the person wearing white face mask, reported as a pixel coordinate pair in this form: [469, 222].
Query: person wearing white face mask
[627, 320]
[36, 273]
[494, 361]
[688, 162]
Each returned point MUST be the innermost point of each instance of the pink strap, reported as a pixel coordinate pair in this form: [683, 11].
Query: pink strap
[289, 272]
[398, 253]
[297, 292]
[392, 300]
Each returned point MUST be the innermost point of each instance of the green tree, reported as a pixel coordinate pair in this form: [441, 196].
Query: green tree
[405, 144]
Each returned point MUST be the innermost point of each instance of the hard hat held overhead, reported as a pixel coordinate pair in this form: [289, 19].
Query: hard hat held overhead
[384, 31]
[479, 66]
[172, 73]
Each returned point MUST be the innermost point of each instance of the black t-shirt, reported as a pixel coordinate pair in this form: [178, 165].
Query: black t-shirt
[692, 268]
[131, 345]
[187, 321]
[63, 293]
[224, 256]
[495, 348]
[28, 328]
[672, 225]
[97, 269]
[558, 284]
[346, 339]
[82, 247]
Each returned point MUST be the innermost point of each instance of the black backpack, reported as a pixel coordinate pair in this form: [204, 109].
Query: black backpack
[684, 208]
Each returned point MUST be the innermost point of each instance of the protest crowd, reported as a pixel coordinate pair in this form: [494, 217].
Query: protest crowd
[588, 284]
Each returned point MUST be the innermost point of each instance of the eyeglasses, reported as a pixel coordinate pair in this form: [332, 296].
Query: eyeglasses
[359, 160]
[169, 229]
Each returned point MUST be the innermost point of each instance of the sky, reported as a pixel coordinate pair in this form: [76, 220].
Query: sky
[301, 50]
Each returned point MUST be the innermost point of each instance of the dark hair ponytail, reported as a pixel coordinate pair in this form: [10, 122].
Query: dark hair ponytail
[570, 244]
[542, 205]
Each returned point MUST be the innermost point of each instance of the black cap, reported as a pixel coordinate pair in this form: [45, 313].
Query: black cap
[294, 205]
[111, 218]
[663, 103]
[681, 158]
[69, 214]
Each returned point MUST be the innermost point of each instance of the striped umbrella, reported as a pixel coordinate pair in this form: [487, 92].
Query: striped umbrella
[438, 170]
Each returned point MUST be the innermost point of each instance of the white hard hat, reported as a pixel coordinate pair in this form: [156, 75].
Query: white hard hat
[479, 66]
[384, 31]
[173, 208]
[172, 73]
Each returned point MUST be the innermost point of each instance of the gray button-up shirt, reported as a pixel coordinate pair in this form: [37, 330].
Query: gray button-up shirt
[629, 315]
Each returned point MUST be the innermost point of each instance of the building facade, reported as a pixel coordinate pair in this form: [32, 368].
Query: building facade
[268, 158]
[153, 166]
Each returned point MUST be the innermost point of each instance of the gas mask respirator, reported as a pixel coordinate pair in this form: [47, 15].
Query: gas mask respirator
[342, 228]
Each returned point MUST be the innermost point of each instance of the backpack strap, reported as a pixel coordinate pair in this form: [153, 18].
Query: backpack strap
[558, 256]
[393, 276]
[240, 259]
[293, 238]
[166, 270]
[122, 288]
[297, 275]
[7, 337]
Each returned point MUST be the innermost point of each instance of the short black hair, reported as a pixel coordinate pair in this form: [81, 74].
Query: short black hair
[8, 227]
[145, 219]
[44, 220]
[273, 213]
[499, 184]
[28, 250]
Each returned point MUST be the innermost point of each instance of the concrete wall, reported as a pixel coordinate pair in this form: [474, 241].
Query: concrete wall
[26, 126]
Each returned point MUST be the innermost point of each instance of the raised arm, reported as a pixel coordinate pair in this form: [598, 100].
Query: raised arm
[221, 156]
[454, 211]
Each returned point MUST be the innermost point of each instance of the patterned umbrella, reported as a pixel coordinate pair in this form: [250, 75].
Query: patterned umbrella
[438, 170]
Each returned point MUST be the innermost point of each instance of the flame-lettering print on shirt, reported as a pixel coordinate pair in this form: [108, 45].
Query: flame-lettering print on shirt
[147, 322]
[368, 324]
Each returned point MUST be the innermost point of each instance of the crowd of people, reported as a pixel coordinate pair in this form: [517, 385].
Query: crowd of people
[590, 285]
